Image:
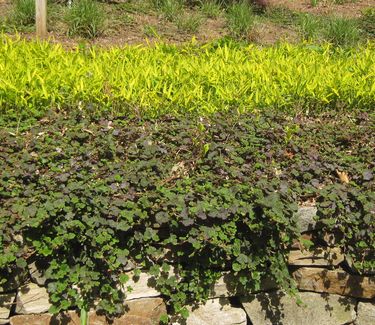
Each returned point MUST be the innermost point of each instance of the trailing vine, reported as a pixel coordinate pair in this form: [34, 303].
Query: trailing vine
[90, 198]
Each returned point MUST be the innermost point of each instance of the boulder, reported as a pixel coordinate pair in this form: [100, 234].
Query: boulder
[317, 257]
[32, 299]
[214, 311]
[365, 313]
[6, 302]
[278, 308]
[335, 281]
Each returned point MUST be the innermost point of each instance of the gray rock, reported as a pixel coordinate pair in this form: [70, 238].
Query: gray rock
[6, 301]
[32, 299]
[278, 308]
[305, 218]
[36, 274]
[365, 313]
[215, 312]
[129, 266]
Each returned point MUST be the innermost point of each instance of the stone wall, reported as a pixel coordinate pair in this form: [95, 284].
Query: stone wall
[332, 293]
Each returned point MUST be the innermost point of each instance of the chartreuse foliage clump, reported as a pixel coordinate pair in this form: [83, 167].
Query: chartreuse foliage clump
[84, 197]
[171, 79]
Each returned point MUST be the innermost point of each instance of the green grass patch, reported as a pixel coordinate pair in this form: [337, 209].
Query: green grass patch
[211, 8]
[367, 22]
[86, 18]
[188, 22]
[23, 12]
[169, 9]
[309, 27]
[240, 19]
[342, 31]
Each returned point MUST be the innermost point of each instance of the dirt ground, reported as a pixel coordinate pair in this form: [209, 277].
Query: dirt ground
[327, 7]
[266, 32]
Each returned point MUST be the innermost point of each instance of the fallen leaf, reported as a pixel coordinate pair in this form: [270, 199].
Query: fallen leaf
[288, 154]
[344, 178]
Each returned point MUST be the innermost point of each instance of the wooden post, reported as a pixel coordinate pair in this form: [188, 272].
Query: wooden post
[41, 18]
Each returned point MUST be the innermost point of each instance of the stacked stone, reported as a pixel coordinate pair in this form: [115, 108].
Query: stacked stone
[331, 294]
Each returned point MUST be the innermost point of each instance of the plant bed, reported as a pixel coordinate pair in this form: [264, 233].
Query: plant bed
[191, 79]
[88, 196]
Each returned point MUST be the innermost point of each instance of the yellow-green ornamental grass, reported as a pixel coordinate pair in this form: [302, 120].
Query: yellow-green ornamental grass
[158, 79]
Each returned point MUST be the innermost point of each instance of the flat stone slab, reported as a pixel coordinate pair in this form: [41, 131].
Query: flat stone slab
[317, 257]
[142, 288]
[6, 302]
[215, 312]
[5, 321]
[278, 308]
[365, 313]
[150, 308]
[72, 318]
[335, 281]
[225, 287]
[42, 319]
[32, 299]
[139, 312]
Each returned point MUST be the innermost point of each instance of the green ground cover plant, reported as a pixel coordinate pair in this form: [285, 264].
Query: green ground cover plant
[152, 81]
[83, 196]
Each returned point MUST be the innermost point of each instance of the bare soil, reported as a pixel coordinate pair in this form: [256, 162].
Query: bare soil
[350, 9]
[137, 30]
